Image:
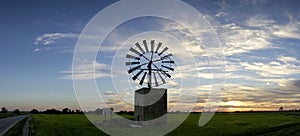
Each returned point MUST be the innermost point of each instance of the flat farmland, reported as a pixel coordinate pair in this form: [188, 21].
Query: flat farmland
[6, 115]
[221, 124]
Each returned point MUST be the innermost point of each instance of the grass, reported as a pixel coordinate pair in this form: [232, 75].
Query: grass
[17, 130]
[66, 125]
[6, 115]
[239, 124]
[264, 124]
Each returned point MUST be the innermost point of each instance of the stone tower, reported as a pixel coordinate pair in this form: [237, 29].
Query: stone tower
[150, 104]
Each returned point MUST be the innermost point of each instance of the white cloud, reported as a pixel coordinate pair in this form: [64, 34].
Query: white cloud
[291, 84]
[90, 70]
[36, 50]
[260, 21]
[172, 83]
[275, 63]
[190, 42]
[286, 59]
[257, 32]
[269, 70]
[255, 96]
[223, 9]
[241, 40]
[290, 30]
[50, 38]
[220, 14]
[276, 30]
[44, 41]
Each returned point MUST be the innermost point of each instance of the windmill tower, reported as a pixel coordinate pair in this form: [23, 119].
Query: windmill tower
[150, 64]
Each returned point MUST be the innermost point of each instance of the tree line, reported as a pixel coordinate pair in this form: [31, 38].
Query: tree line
[55, 111]
[47, 111]
[5, 110]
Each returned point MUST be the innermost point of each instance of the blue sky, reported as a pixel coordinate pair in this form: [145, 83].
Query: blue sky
[32, 79]
[261, 39]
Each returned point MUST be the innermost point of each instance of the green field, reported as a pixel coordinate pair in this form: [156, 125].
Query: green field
[5, 115]
[66, 125]
[242, 124]
[221, 124]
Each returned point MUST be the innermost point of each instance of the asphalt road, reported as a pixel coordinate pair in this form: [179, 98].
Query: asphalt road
[7, 123]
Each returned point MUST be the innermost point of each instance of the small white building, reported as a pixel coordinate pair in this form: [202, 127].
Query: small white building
[108, 113]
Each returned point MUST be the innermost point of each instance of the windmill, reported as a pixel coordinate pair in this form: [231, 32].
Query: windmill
[150, 64]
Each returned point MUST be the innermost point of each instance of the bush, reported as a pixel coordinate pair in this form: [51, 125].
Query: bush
[4, 110]
[34, 111]
[16, 111]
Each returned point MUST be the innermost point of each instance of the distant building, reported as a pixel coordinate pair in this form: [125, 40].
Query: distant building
[108, 113]
[99, 111]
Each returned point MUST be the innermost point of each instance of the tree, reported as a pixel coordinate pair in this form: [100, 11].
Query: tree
[65, 110]
[52, 111]
[78, 112]
[4, 110]
[281, 109]
[34, 111]
[16, 111]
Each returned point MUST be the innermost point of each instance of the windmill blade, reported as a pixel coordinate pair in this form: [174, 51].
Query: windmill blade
[146, 46]
[149, 80]
[165, 49]
[137, 75]
[165, 73]
[155, 80]
[168, 67]
[166, 56]
[168, 61]
[152, 45]
[143, 78]
[131, 63]
[162, 79]
[132, 57]
[135, 51]
[168, 75]
[134, 69]
[158, 46]
[140, 48]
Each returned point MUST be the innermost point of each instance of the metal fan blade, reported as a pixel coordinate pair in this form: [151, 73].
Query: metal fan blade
[152, 45]
[162, 79]
[140, 48]
[165, 49]
[143, 78]
[137, 75]
[166, 56]
[165, 73]
[149, 80]
[168, 75]
[168, 67]
[156, 83]
[146, 46]
[158, 46]
[135, 51]
[132, 57]
[131, 63]
[134, 69]
[168, 61]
